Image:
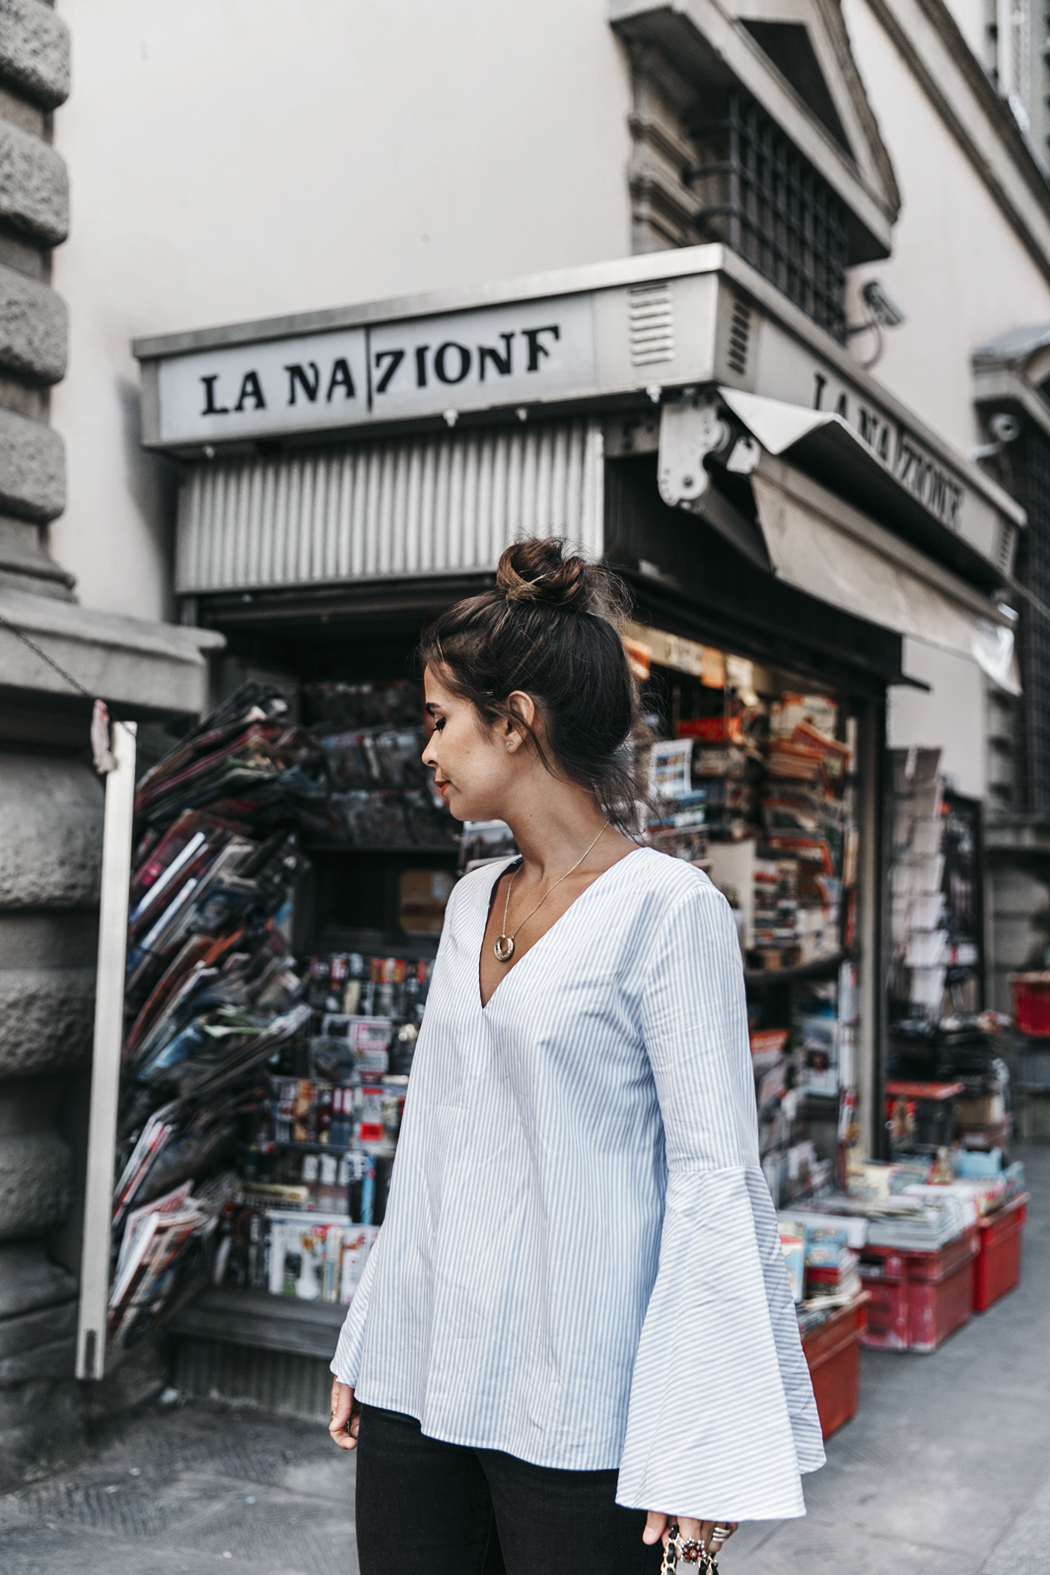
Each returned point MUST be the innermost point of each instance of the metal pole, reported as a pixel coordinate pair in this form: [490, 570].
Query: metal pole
[105, 1066]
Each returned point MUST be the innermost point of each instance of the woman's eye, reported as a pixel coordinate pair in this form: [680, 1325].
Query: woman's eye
[439, 722]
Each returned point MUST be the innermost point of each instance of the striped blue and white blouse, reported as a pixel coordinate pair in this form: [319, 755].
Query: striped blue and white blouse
[579, 1263]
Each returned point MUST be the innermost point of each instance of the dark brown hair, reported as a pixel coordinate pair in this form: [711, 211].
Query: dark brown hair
[549, 628]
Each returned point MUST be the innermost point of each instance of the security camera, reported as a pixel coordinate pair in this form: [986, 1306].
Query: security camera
[883, 308]
[1003, 426]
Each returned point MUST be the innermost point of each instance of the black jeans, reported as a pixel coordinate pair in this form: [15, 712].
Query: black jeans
[449, 1510]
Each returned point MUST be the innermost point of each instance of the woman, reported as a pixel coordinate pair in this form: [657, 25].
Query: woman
[575, 1329]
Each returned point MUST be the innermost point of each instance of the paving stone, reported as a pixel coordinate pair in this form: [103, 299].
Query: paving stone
[47, 1551]
[293, 1531]
[1024, 1549]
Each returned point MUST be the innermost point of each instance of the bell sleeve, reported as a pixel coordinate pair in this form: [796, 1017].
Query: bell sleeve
[722, 1419]
[346, 1363]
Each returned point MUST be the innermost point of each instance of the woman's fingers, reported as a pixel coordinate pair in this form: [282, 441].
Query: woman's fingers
[345, 1416]
[706, 1532]
[655, 1527]
[694, 1530]
[658, 1527]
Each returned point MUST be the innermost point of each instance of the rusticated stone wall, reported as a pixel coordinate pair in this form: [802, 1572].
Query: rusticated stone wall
[50, 820]
[51, 801]
[34, 218]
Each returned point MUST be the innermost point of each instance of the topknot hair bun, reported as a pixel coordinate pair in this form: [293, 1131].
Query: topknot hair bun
[550, 628]
[538, 570]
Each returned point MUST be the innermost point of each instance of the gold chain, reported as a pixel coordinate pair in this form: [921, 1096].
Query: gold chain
[504, 946]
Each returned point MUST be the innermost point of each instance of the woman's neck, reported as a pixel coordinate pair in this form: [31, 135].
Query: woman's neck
[554, 827]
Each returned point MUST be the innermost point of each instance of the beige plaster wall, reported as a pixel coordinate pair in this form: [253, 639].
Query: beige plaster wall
[958, 268]
[254, 157]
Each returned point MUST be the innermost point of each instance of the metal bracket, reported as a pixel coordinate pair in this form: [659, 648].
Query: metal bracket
[690, 429]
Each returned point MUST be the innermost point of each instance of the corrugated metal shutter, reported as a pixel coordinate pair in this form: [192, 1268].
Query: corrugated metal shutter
[277, 1380]
[417, 505]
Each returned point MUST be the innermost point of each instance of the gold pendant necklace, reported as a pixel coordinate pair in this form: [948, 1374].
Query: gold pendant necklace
[504, 945]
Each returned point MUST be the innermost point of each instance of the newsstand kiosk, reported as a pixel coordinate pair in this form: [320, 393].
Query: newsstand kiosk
[780, 522]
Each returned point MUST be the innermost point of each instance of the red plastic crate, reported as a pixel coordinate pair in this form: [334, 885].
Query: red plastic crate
[833, 1354]
[917, 1298]
[997, 1268]
[1031, 1001]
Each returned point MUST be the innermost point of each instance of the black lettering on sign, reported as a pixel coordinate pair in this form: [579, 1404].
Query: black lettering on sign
[210, 407]
[536, 348]
[487, 353]
[938, 482]
[441, 356]
[819, 385]
[926, 481]
[869, 425]
[341, 378]
[421, 365]
[955, 497]
[906, 458]
[395, 357]
[298, 377]
[251, 389]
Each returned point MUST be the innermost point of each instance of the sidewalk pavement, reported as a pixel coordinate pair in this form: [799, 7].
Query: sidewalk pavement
[946, 1466]
[944, 1471]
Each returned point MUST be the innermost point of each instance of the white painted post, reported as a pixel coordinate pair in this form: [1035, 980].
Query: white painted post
[105, 1068]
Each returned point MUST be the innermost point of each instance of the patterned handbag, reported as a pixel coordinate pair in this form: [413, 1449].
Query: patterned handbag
[678, 1547]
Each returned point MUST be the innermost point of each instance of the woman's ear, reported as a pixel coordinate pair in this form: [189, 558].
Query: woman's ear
[519, 732]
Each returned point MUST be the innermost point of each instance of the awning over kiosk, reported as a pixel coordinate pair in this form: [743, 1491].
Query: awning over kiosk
[829, 549]
[880, 472]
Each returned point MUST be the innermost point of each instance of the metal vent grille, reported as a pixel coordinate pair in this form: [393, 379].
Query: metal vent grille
[425, 504]
[739, 338]
[651, 311]
[1004, 547]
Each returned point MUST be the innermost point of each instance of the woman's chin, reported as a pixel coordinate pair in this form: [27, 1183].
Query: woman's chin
[460, 808]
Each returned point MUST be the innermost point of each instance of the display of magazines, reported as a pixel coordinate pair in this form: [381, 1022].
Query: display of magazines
[256, 1085]
[754, 782]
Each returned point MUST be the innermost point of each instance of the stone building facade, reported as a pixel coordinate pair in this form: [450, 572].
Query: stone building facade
[52, 800]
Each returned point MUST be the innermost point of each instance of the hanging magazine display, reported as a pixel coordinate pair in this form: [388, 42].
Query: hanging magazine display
[261, 1091]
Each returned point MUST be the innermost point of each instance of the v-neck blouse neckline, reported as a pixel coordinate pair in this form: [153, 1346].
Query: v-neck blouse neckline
[486, 910]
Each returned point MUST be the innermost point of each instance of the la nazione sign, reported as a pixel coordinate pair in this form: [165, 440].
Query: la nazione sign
[462, 361]
[602, 336]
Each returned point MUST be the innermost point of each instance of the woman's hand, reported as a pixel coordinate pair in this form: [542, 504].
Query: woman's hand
[346, 1416]
[658, 1527]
